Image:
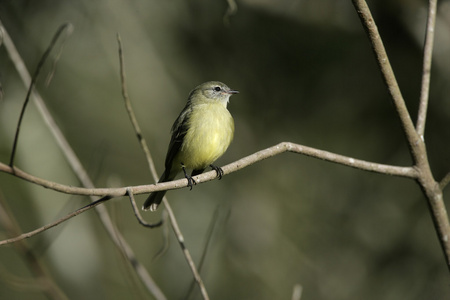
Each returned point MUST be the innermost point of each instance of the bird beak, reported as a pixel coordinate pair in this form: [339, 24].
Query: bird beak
[231, 92]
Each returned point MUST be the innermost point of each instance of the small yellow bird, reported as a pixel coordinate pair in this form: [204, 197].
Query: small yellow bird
[200, 135]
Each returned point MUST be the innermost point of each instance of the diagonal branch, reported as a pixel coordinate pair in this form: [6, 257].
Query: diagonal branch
[55, 223]
[389, 78]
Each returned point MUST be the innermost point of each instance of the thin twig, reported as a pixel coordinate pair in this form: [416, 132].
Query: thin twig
[55, 223]
[426, 72]
[231, 11]
[130, 110]
[149, 158]
[444, 181]
[138, 214]
[31, 87]
[58, 56]
[297, 292]
[186, 252]
[209, 235]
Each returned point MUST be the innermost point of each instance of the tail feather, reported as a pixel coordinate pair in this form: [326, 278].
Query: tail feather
[155, 198]
[153, 201]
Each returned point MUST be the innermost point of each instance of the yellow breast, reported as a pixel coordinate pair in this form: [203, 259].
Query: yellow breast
[211, 130]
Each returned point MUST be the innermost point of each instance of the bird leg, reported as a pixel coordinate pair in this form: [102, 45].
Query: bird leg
[190, 180]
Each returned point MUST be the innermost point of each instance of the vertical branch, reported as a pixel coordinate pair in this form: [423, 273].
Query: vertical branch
[131, 114]
[149, 158]
[426, 71]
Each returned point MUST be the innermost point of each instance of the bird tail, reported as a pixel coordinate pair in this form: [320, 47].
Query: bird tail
[155, 198]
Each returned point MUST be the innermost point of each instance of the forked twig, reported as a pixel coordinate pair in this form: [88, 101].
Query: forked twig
[428, 184]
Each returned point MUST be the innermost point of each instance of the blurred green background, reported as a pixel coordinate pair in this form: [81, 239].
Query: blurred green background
[306, 74]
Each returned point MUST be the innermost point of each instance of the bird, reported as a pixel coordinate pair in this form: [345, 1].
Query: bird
[200, 135]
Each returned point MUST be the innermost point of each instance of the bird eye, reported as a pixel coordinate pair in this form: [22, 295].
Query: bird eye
[217, 89]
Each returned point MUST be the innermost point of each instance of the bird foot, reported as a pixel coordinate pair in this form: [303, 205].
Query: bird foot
[190, 180]
[218, 170]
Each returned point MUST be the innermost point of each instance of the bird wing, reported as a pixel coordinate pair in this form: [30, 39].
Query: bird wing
[179, 129]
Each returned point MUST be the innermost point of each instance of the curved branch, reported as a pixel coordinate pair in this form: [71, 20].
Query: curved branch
[408, 172]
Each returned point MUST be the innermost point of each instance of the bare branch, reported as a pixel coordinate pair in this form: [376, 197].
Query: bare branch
[297, 292]
[231, 11]
[186, 252]
[31, 87]
[149, 158]
[445, 181]
[55, 223]
[320, 154]
[408, 172]
[389, 78]
[138, 214]
[426, 72]
[131, 113]
[430, 187]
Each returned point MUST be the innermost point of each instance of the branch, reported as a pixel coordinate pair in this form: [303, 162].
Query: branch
[426, 72]
[131, 113]
[444, 181]
[430, 187]
[31, 86]
[55, 223]
[408, 172]
[138, 214]
[389, 78]
[148, 156]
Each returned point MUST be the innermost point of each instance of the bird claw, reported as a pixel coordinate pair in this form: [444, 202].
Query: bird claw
[190, 180]
[218, 170]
